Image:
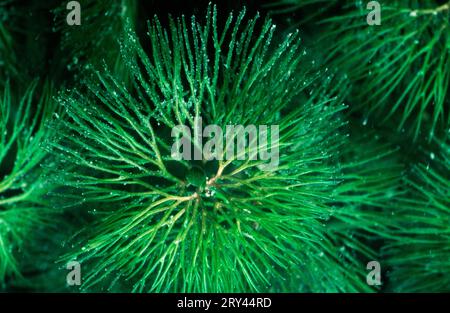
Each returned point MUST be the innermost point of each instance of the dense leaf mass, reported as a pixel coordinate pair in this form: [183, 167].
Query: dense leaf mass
[355, 170]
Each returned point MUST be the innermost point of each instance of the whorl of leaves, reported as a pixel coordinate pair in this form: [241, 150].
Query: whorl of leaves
[166, 225]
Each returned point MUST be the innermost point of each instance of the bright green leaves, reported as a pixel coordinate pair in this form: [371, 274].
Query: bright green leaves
[343, 192]
[422, 221]
[96, 40]
[183, 78]
[171, 225]
[392, 199]
[399, 69]
[23, 184]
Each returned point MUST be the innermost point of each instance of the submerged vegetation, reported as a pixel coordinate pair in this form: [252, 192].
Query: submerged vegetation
[87, 173]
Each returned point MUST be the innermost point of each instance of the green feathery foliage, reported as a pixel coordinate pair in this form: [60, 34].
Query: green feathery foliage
[357, 182]
[399, 73]
[372, 171]
[371, 174]
[419, 248]
[96, 40]
[166, 225]
[399, 69]
[24, 211]
[369, 180]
